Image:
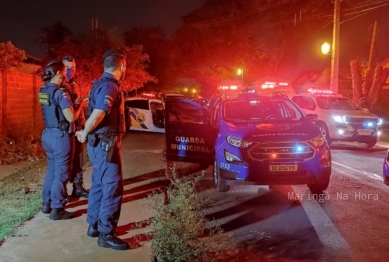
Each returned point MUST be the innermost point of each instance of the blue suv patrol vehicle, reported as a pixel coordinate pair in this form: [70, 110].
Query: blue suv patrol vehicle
[249, 139]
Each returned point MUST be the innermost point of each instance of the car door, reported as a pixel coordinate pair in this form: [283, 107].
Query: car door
[139, 114]
[189, 137]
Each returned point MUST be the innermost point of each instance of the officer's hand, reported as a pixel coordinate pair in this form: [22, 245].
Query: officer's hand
[80, 136]
[84, 103]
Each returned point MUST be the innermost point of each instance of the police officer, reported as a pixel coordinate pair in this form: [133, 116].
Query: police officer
[77, 173]
[103, 130]
[58, 113]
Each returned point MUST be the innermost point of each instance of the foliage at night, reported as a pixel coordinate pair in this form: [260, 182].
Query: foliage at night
[10, 56]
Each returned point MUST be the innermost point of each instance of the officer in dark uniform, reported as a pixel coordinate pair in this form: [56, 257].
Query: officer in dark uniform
[77, 172]
[57, 141]
[103, 129]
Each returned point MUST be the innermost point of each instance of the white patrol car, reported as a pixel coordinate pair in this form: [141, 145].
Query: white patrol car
[145, 114]
[338, 118]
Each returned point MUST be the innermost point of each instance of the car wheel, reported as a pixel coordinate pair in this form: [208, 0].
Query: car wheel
[324, 131]
[319, 187]
[371, 143]
[220, 184]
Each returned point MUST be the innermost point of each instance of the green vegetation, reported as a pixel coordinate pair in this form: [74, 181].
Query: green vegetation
[20, 197]
[179, 229]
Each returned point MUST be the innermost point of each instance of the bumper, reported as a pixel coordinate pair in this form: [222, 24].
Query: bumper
[249, 171]
[350, 133]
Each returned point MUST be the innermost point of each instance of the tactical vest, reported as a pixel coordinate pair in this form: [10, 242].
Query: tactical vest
[52, 113]
[114, 121]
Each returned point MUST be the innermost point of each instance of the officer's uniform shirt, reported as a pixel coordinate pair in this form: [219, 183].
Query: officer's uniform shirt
[107, 95]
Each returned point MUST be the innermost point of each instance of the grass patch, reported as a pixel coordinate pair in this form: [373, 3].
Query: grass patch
[20, 197]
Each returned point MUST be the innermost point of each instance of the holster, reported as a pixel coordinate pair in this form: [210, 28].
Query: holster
[109, 145]
[64, 126]
[93, 140]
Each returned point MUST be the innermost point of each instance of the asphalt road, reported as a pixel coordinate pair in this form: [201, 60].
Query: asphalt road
[349, 222]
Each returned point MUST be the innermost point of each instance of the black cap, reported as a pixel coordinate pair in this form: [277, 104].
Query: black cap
[114, 52]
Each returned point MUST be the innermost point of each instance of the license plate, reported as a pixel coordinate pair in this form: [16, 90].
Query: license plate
[363, 132]
[282, 168]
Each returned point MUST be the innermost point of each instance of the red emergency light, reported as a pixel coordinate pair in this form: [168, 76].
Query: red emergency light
[319, 91]
[268, 85]
[148, 95]
[232, 87]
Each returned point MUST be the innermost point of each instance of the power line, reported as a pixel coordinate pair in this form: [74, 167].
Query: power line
[358, 14]
[371, 6]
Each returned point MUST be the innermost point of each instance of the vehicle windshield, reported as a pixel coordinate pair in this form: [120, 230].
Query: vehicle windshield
[340, 103]
[263, 110]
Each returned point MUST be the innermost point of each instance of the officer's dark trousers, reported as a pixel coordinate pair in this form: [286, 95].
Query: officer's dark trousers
[76, 174]
[58, 146]
[105, 194]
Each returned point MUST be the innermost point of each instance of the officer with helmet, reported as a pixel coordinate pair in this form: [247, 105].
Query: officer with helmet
[57, 140]
[77, 172]
[103, 130]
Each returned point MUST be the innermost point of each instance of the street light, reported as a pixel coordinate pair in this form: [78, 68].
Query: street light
[240, 72]
[325, 48]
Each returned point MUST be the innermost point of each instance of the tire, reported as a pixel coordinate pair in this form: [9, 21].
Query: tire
[220, 184]
[319, 187]
[324, 130]
[371, 143]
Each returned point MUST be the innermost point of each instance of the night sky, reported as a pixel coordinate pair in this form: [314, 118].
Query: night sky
[21, 20]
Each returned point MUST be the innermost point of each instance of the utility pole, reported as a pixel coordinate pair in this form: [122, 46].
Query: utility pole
[334, 81]
[370, 65]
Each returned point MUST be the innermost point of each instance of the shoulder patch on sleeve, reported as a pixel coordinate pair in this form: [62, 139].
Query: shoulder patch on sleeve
[108, 100]
[66, 95]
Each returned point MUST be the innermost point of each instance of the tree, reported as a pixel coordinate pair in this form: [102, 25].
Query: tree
[157, 46]
[213, 43]
[264, 37]
[88, 50]
[54, 36]
[10, 56]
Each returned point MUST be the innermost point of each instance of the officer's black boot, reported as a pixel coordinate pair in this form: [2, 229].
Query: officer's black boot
[60, 214]
[79, 190]
[92, 231]
[46, 209]
[112, 241]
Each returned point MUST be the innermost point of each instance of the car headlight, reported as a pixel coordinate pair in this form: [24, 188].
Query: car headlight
[238, 142]
[231, 157]
[340, 119]
[318, 141]
[380, 122]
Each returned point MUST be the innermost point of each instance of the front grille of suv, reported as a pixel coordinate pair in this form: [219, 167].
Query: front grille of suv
[281, 151]
[362, 122]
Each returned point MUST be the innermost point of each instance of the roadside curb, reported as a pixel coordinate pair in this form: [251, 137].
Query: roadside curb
[383, 144]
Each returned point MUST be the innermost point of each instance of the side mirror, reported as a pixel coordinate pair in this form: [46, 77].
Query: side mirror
[312, 117]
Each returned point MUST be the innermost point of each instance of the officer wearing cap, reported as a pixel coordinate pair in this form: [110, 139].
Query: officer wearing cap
[76, 173]
[103, 131]
[57, 141]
